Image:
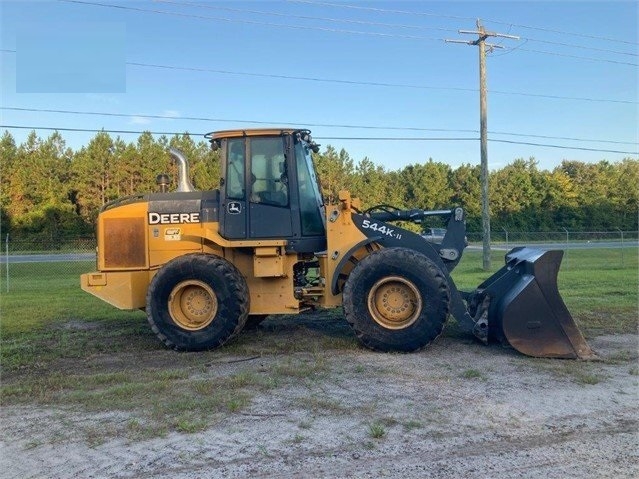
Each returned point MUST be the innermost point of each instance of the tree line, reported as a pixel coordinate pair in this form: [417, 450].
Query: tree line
[49, 191]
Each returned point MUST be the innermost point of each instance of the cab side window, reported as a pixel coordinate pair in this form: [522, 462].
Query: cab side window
[236, 160]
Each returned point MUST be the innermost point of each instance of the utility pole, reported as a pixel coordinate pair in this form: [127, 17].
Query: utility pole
[483, 126]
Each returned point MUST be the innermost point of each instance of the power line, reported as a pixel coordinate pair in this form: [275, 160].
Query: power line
[583, 47]
[306, 17]
[363, 127]
[561, 32]
[107, 130]
[304, 27]
[234, 120]
[311, 79]
[382, 24]
[567, 138]
[393, 138]
[563, 147]
[382, 10]
[455, 17]
[372, 83]
[138, 132]
[253, 22]
[490, 140]
[367, 83]
[566, 55]
[91, 130]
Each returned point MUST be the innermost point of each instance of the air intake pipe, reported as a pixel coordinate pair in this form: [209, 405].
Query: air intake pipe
[183, 181]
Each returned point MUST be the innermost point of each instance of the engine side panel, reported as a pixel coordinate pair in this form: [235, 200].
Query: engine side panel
[122, 237]
[124, 246]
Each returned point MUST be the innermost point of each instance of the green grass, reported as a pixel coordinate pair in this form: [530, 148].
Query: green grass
[412, 424]
[62, 346]
[319, 403]
[162, 400]
[46, 316]
[579, 372]
[471, 374]
[43, 294]
[588, 378]
[376, 430]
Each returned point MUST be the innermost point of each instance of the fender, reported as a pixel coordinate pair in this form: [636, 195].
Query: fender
[344, 260]
[398, 237]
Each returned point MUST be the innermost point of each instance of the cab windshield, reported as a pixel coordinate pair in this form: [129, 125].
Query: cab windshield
[311, 204]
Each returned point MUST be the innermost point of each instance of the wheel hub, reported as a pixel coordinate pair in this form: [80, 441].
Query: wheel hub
[193, 305]
[394, 302]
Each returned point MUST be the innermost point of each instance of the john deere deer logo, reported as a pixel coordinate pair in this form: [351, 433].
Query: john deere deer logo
[234, 208]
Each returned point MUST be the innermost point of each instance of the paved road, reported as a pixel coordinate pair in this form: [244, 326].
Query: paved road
[47, 258]
[566, 246]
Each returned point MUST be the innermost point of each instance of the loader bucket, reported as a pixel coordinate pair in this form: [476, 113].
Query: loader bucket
[525, 310]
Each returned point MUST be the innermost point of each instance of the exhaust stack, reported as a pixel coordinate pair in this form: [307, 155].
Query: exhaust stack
[183, 181]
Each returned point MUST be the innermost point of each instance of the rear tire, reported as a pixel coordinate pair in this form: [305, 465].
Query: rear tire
[396, 299]
[197, 302]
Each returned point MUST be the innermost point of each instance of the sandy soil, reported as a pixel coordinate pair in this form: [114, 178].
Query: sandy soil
[457, 409]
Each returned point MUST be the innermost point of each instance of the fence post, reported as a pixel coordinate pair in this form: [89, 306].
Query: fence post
[6, 259]
[506, 231]
[567, 244]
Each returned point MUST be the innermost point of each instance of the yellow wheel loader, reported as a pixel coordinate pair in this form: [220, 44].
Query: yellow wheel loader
[206, 264]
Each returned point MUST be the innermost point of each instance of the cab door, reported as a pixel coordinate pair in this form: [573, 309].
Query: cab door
[234, 216]
[269, 197]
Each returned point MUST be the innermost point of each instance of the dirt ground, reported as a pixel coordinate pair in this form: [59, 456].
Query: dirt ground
[458, 409]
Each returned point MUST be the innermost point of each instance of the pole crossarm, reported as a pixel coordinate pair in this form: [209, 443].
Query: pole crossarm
[486, 34]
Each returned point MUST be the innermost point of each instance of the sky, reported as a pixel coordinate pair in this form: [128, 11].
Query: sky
[373, 77]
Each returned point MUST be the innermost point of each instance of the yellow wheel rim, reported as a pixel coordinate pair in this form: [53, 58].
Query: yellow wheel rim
[394, 302]
[193, 305]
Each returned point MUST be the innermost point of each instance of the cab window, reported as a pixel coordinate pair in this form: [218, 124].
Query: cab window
[268, 172]
[235, 187]
[310, 198]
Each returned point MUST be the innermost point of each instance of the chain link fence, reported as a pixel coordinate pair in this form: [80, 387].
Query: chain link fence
[563, 239]
[25, 264]
[585, 250]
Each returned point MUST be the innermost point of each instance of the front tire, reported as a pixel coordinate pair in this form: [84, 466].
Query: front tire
[396, 299]
[197, 302]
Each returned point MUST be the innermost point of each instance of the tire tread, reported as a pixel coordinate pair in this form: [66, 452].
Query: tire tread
[369, 333]
[185, 267]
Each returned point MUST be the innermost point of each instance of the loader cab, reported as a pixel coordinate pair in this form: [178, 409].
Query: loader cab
[269, 189]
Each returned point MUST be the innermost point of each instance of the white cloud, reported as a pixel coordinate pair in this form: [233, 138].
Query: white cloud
[139, 120]
[171, 113]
